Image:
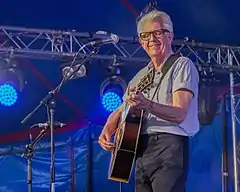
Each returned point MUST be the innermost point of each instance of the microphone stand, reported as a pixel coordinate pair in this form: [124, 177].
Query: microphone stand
[48, 102]
[51, 110]
[29, 154]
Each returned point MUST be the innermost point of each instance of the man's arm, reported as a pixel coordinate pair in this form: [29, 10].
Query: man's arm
[178, 111]
[184, 88]
[113, 119]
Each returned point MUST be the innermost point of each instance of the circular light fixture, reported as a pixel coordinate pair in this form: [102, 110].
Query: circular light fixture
[111, 101]
[8, 95]
[112, 90]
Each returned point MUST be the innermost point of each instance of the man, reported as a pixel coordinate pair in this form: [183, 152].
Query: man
[172, 116]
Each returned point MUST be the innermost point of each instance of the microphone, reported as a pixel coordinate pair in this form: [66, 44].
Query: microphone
[47, 125]
[113, 39]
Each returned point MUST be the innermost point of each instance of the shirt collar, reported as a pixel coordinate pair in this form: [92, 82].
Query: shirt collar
[150, 64]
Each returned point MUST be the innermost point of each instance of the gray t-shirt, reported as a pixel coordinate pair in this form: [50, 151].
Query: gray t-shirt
[183, 74]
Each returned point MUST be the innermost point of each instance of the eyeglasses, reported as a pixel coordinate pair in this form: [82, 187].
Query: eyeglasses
[145, 36]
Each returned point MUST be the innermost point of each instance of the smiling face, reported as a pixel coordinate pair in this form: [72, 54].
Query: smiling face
[155, 39]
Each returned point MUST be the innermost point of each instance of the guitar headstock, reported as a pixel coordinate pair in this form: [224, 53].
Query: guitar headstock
[146, 80]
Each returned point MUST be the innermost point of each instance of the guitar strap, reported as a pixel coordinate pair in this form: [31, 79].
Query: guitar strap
[167, 65]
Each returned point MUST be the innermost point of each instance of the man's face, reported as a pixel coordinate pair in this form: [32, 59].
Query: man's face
[154, 39]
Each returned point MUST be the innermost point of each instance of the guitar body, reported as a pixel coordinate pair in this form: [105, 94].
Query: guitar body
[126, 138]
[126, 141]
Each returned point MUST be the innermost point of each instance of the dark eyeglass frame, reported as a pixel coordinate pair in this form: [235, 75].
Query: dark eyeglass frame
[156, 33]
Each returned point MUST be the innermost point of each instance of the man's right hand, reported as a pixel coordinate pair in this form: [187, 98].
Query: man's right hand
[109, 129]
[104, 138]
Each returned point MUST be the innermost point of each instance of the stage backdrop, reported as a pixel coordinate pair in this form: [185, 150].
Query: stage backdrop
[81, 165]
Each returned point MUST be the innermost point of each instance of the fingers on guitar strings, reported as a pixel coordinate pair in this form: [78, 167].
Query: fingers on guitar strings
[107, 146]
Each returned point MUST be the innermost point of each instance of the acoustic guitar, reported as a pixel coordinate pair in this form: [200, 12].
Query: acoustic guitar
[126, 137]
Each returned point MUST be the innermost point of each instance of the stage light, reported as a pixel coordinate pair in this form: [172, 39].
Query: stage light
[8, 95]
[112, 90]
[11, 81]
[10, 73]
[67, 71]
[111, 101]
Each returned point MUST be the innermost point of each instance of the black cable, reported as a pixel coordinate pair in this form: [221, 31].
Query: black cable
[152, 5]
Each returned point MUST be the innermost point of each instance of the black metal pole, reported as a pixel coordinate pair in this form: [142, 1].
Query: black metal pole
[29, 154]
[72, 167]
[225, 146]
[29, 168]
[51, 109]
[89, 159]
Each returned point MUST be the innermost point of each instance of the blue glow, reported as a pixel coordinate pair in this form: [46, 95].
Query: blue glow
[111, 101]
[8, 95]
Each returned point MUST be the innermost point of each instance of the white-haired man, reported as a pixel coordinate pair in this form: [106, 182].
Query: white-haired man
[163, 149]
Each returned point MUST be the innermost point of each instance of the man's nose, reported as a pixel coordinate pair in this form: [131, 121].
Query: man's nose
[153, 38]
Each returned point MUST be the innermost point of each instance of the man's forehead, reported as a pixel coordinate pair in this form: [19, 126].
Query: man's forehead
[152, 25]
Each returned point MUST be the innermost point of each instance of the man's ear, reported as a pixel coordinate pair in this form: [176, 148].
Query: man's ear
[170, 37]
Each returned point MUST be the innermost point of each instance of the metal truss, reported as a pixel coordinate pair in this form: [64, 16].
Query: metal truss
[58, 44]
[55, 44]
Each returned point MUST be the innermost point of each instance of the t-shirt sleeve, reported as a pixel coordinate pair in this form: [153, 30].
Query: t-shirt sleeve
[185, 76]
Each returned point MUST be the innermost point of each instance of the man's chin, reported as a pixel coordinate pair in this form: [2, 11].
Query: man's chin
[155, 54]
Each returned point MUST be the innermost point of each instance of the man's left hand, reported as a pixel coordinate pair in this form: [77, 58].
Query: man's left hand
[137, 100]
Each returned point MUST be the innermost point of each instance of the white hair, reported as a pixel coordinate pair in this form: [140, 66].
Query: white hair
[153, 16]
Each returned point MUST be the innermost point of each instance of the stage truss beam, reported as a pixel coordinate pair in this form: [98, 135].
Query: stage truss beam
[57, 44]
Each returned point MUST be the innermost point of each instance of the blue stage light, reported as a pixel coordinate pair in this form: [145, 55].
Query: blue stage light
[8, 95]
[111, 101]
[112, 90]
